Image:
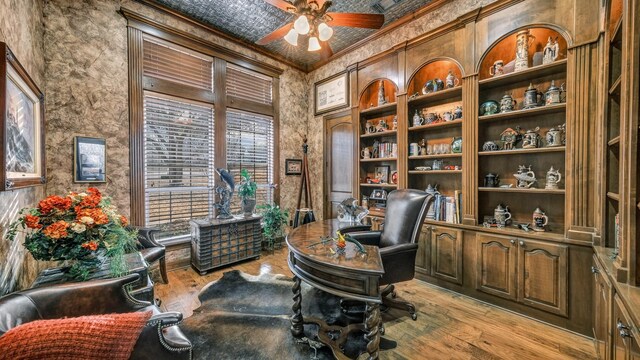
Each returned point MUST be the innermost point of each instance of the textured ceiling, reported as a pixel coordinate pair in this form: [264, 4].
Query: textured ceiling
[251, 20]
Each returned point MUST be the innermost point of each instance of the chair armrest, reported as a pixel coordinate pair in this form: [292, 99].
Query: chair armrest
[93, 297]
[146, 237]
[355, 228]
[398, 249]
[162, 339]
[367, 237]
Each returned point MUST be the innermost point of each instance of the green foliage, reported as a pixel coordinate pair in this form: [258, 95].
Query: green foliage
[274, 221]
[247, 187]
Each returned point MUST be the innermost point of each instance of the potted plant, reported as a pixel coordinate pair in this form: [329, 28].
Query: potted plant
[274, 221]
[83, 230]
[247, 192]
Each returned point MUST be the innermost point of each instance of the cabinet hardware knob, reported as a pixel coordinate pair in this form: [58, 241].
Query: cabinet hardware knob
[621, 326]
[595, 270]
[512, 241]
[521, 243]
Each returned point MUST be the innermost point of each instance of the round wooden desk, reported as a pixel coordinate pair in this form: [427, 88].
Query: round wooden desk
[351, 275]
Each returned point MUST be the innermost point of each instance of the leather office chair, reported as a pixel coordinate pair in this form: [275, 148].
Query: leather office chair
[152, 251]
[160, 339]
[405, 214]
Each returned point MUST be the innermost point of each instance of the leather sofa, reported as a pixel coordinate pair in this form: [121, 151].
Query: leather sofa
[160, 339]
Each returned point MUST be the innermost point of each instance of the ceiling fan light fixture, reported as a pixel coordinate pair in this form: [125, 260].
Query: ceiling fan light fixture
[324, 32]
[302, 25]
[314, 44]
[292, 37]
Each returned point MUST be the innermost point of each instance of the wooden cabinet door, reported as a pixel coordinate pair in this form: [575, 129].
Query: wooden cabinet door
[446, 254]
[496, 265]
[601, 311]
[542, 275]
[625, 339]
[423, 257]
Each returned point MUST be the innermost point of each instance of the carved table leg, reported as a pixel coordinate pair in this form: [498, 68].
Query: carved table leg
[372, 322]
[297, 322]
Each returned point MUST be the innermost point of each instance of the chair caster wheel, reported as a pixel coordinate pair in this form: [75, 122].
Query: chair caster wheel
[414, 317]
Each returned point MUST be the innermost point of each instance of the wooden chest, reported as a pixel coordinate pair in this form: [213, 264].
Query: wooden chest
[215, 243]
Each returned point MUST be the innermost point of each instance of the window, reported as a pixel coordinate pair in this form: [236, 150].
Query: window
[179, 133]
[250, 146]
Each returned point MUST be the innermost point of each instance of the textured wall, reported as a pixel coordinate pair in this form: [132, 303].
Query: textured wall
[417, 27]
[86, 62]
[21, 28]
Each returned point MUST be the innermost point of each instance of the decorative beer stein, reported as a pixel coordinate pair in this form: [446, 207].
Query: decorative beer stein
[491, 180]
[555, 136]
[422, 146]
[502, 215]
[531, 139]
[457, 112]
[553, 95]
[382, 126]
[414, 149]
[417, 119]
[532, 97]
[497, 68]
[507, 103]
[432, 86]
[431, 118]
[553, 179]
[523, 41]
[369, 128]
[540, 220]
[448, 116]
[365, 153]
[551, 51]
[451, 80]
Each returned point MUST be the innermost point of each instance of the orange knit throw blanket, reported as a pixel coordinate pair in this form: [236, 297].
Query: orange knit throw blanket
[109, 337]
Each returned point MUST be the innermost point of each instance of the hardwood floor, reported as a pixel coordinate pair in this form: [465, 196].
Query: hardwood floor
[449, 325]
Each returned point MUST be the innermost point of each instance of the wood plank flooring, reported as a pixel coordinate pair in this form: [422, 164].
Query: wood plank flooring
[449, 325]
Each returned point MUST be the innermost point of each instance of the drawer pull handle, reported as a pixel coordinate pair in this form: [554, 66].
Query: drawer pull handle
[512, 242]
[623, 330]
[521, 243]
[595, 270]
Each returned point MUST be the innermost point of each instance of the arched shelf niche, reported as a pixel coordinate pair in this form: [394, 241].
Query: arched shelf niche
[435, 68]
[505, 49]
[369, 96]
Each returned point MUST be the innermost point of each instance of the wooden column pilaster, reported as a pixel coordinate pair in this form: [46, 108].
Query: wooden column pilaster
[136, 126]
[470, 150]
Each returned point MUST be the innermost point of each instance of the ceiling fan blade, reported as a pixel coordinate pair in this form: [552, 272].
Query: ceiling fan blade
[275, 35]
[325, 50]
[280, 4]
[369, 21]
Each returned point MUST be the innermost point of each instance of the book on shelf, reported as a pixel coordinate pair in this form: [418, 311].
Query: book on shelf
[617, 232]
[387, 150]
[446, 208]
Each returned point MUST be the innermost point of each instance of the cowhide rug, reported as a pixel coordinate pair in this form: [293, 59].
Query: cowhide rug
[247, 317]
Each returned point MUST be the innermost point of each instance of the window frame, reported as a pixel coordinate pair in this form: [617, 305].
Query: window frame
[138, 28]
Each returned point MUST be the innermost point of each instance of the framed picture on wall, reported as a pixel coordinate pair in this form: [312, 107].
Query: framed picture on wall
[89, 160]
[293, 166]
[331, 93]
[22, 162]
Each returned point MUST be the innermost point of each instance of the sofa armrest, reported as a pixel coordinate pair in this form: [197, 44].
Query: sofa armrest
[85, 298]
[367, 237]
[162, 339]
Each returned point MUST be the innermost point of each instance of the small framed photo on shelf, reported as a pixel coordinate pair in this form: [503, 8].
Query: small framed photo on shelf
[22, 131]
[89, 160]
[331, 93]
[381, 174]
[293, 166]
[378, 194]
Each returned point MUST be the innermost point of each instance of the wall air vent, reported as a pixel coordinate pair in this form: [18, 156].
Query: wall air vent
[382, 6]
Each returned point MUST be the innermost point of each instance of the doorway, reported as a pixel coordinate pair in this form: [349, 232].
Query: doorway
[339, 158]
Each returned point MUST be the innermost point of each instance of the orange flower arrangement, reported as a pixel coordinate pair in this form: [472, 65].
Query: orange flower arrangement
[84, 227]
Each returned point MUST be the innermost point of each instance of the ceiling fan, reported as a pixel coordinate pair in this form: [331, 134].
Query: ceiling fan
[314, 20]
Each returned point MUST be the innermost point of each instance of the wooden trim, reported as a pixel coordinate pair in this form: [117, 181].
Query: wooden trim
[174, 89]
[251, 106]
[164, 32]
[276, 137]
[220, 109]
[250, 46]
[136, 126]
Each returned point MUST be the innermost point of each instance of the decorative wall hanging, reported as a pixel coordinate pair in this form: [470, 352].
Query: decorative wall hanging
[293, 166]
[89, 160]
[331, 93]
[21, 126]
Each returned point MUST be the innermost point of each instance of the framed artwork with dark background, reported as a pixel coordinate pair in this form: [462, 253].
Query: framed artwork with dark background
[89, 160]
[22, 162]
[293, 166]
